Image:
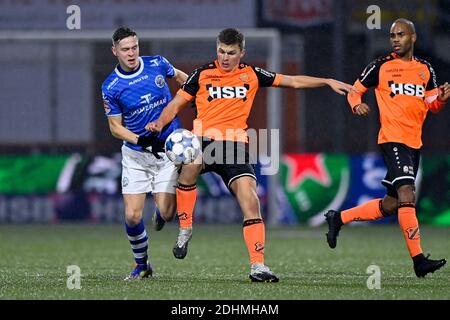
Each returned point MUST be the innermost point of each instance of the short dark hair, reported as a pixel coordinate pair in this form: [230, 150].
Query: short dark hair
[122, 33]
[231, 36]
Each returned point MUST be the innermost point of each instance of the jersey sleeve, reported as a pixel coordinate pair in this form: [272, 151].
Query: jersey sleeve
[110, 104]
[354, 97]
[191, 86]
[431, 88]
[267, 78]
[369, 77]
[167, 67]
[432, 91]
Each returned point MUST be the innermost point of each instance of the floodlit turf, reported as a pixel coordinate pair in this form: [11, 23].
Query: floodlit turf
[34, 260]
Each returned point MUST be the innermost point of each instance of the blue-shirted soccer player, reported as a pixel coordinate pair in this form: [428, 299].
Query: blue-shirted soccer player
[134, 94]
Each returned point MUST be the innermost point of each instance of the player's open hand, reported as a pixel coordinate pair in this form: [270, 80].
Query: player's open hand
[444, 92]
[153, 126]
[361, 109]
[339, 87]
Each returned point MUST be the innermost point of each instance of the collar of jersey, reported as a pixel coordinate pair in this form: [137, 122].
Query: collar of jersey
[134, 74]
[396, 56]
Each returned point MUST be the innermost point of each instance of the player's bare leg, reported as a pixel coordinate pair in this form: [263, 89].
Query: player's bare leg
[244, 189]
[134, 225]
[165, 210]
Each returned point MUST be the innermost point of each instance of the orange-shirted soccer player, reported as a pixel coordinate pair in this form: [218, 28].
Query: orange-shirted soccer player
[405, 88]
[224, 91]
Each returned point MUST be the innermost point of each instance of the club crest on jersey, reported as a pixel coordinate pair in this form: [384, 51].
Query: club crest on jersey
[422, 75]
[243, 77]
[408, 89]
[159, 81]
[227, 92]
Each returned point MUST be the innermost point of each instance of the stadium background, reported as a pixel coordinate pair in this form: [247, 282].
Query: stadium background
[59, 162]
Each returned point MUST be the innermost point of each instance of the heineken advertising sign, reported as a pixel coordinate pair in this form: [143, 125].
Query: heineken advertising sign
[314, 183]
[52, 188]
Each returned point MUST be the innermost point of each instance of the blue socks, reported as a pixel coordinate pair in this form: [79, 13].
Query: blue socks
[138, 240]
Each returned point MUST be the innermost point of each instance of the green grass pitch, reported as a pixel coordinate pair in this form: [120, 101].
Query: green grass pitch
[34, 260]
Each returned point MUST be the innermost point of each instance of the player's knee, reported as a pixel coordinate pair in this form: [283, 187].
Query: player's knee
[133, 216]
[406, 193]
[389, 206]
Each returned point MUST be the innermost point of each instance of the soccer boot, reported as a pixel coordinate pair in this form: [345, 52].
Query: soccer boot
[334, 221]
[157, 221]
[423, 265]
[181, 246]
[261, 273]
[141, 271]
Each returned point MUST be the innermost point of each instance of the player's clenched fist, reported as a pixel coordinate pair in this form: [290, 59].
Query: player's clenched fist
[444, 92]
[361, 109]
[153, 127]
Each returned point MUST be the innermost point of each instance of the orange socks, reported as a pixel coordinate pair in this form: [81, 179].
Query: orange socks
[254, 238]
[186, 196]
[407, 219]
[370, 210]
[410, 227]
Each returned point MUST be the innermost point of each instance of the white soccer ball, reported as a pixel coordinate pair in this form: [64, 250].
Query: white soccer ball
[182, 146]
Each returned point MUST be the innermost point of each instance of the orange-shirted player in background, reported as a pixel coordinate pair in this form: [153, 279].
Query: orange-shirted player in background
[224, 91]
[405, 88]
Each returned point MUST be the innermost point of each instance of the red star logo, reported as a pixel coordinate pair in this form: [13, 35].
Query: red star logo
[306, 166]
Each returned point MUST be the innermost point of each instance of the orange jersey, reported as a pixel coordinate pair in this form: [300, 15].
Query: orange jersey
[402, 89]
[224, 99]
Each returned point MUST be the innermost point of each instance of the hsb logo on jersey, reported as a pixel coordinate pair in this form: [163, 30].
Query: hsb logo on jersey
[408, 89]
[227, 92]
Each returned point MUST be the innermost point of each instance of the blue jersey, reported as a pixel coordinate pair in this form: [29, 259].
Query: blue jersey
[139, 97]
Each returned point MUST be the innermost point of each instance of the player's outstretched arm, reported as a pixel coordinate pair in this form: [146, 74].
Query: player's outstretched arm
[168, 114]
[305, 82]
[180, 76]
